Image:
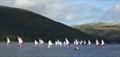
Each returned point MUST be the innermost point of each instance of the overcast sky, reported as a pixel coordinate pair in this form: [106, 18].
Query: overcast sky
[72, 12]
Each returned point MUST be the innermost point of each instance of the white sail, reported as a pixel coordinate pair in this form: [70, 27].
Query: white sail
[36, 43]
[64, 43]
[81, 42]
[89, 42]
[76, 42]
[50, 43]
[97, 42]
[102, 43]
[41, 41]
[57, 42]
[67, 42]
[84, 42]
[8, 40]
[20, 41]
[60, 43]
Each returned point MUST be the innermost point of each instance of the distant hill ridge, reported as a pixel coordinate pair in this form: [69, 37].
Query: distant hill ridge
[108, 31]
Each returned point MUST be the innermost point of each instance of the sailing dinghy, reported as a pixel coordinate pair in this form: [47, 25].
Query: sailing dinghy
[36, 43]
[50, 44]
[20, 42]
[89, 42]
[8, 41]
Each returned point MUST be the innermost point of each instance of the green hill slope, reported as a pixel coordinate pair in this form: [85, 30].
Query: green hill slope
[18, 22]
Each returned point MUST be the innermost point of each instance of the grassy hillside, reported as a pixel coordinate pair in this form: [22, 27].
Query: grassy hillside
[107, 31]
[16, 22]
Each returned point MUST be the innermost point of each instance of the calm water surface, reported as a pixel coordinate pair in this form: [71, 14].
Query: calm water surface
[29, 50]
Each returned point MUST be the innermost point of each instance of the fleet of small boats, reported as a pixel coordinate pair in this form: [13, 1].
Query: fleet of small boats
[98, 44]
[66, 43]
